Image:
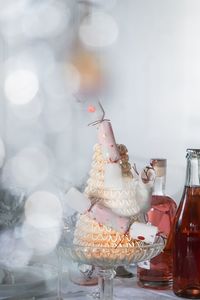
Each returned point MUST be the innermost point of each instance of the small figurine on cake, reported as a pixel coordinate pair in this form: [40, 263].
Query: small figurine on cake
[113, 206]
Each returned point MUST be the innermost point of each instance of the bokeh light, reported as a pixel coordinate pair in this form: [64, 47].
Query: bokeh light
[11, 15]
[21, 86]
[28, 112]
[35, 57]
[23, 134]
[43, 210]
[61, 80]
[43, 219]
[13, 251]
[31, 166]
[42, 55]
[41, 241]
[11, 9]
[99, 29]
[46, 19]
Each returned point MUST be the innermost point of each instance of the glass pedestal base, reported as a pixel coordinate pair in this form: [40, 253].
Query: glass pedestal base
[106, 260]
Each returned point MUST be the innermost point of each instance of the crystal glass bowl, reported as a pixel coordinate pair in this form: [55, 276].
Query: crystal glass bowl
[106, 259]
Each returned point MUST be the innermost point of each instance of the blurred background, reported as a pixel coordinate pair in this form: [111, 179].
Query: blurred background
[58, 58]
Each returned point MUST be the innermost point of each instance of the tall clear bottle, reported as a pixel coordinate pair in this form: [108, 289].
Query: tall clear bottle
[186, 254]
[161, 214]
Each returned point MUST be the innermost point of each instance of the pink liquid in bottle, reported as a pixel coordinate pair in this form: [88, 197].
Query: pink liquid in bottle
[161, 214]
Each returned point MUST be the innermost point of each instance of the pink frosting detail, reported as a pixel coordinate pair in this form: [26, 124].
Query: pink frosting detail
[107, 217]
[107, 140]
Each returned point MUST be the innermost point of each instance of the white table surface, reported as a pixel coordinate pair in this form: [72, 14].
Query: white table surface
[124, 288]
[127, 289]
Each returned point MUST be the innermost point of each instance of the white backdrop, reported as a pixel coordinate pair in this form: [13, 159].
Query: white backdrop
[152, 95]
[155, 64]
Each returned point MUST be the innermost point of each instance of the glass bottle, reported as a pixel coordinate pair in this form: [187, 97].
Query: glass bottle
[161, 214]
[186, 254]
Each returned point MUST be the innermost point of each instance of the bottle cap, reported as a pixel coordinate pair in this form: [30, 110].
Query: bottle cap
[159, 165]
[193, 153]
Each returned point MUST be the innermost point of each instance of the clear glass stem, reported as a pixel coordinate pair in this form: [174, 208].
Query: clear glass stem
[106, 283]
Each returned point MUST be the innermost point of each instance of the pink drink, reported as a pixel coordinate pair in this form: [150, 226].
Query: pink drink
[186, 235]
[161, 214]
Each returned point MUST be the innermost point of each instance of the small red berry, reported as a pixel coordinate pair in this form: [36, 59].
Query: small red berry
[91, 109]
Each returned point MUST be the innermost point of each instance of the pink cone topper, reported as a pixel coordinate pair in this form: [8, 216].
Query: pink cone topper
[107, 141]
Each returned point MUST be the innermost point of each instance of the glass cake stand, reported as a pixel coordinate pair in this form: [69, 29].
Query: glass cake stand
[107, 259]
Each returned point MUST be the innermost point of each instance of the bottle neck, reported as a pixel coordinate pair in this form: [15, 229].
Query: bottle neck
[159, 186]
[193, 172]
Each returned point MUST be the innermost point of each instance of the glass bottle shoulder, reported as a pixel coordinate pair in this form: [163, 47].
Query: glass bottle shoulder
[188, 213]
[163, 202]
